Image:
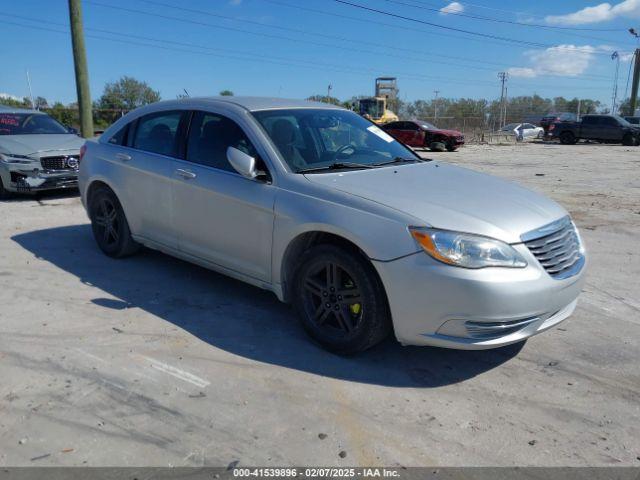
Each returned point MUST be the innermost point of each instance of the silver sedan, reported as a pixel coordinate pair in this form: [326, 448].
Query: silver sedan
[326, 210]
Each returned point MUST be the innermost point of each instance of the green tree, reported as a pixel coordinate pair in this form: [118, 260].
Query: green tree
[226, 93]
[41, 103]
[65, 115]
[127, 94]
[325, 99]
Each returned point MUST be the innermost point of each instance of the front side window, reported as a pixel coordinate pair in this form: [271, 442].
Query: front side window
[209, 137]
[315, 138]
[29, 124]
[157, 132]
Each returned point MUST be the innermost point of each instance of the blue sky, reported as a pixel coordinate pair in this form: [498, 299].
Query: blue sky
[270, 47]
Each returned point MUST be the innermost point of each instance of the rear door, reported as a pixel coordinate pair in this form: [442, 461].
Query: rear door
[146, 181]
[590, 127]
[221, 216]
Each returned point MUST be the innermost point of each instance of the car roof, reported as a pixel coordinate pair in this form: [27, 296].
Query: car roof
[8, 109]
[258, 103]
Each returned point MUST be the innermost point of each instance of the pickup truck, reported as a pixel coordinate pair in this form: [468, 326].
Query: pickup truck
[601, 128]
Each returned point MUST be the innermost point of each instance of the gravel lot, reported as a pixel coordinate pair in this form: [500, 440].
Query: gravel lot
[152, 361]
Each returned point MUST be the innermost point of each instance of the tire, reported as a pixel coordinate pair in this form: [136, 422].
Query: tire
[340, 300]
[437, 147]
[629, 140]
[451, 148]
[4, 193]
[109, 224]
[540, 135]
[567, 138]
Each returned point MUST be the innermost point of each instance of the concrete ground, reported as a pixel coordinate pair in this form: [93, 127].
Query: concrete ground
[153, 361]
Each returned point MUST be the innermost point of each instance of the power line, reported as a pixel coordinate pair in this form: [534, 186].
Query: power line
[244, 56]
[461, 30]
[405, 28]
[342, 39]
[523, 24]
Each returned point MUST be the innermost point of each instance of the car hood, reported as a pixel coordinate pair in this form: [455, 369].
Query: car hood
[452, 133]
[448, 197]
[35, 144]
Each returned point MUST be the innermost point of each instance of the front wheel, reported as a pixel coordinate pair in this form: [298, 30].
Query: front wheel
[4, 193]
[109, 224]
[629, 140]
[340, 300]
[451, 147]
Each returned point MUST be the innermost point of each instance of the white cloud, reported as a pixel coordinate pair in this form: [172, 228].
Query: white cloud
[235, 2]
[599, 13]
[561, 60]
[453, 7]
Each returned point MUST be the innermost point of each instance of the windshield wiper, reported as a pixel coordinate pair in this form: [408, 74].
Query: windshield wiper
[399, 160]
[335, 166]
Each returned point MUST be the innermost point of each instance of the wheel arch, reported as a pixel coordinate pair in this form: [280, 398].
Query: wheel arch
[305, 240]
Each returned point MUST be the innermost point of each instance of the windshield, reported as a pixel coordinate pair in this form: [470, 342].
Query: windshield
[372, 107]
[29, 124]
[314, 138]
[427, 126]
[623, 121]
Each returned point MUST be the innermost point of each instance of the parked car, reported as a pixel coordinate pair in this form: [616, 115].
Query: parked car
[633, 120]
[420, 134]
[552, 118]
[329, 212]
[36, 152]
[523, 131]
[600, 128]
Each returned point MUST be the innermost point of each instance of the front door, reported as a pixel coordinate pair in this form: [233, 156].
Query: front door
[221, 216]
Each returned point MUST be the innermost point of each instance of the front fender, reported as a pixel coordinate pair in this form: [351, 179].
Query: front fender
[381, 233]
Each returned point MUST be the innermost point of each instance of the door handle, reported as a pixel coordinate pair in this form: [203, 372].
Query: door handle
[186, 174]
[123, 156]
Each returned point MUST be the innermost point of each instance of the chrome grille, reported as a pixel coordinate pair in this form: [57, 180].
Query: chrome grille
[60, 163]
[557, 247]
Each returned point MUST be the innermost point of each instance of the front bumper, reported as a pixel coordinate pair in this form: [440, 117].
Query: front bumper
[37, 180]
[436, 304]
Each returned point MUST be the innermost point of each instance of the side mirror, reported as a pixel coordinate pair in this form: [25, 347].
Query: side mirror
[244, 164]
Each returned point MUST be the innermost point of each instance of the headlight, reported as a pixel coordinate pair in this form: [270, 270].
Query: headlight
[19, 159]
[466, 250]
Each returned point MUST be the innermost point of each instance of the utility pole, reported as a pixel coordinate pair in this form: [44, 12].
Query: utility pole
[81, 70]
[614, 98]
[435, 106]
[579, 108]
[329, 88]
[634, 86]
[503, 76]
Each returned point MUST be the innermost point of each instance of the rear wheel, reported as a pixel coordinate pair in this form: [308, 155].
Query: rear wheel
[109, 224]
[340, 300]
[567, 138]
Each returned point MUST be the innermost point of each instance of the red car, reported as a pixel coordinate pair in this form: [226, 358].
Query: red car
[419, 134]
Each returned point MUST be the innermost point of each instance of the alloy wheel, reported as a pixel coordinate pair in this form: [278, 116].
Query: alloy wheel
[333, 300]
[107, 222]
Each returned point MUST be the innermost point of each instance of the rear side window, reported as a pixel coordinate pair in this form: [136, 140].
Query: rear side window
[590, 120]
[157, 132]
[209, 137]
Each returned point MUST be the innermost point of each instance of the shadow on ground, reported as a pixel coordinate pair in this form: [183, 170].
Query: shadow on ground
[41, 196]
[242, 319]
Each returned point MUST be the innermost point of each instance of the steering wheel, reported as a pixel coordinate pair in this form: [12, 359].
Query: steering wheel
[344, 149]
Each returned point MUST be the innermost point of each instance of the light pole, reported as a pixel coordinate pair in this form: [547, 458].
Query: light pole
[615, 56]
[636, 75]
[435, 106]
[329, 88]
